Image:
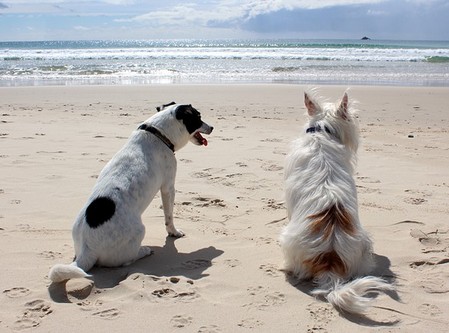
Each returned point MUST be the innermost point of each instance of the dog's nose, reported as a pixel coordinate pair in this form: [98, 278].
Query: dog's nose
[211, 128]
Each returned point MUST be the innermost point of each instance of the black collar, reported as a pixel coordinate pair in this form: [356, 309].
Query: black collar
[317, 128]
[156, 132]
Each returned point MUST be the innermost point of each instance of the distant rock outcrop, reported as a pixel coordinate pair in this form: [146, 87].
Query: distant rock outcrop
[365, 38]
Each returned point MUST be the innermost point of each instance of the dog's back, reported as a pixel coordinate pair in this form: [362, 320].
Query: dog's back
[324, 239]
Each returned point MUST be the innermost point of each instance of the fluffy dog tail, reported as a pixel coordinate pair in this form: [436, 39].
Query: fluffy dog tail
[352, 296]
[60, 272]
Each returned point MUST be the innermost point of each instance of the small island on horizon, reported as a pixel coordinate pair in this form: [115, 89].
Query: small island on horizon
[366, 38]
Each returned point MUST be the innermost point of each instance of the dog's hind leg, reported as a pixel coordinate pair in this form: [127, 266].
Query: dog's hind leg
[144, 251]
[86, 259]
[168, 201]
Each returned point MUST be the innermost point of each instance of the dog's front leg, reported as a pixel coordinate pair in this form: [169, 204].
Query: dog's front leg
[168, 201]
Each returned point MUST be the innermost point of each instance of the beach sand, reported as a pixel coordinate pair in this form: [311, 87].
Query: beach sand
[224, 275]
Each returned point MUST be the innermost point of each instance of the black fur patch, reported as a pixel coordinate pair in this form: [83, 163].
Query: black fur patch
[162, 107]
[190, 117]
[99, 211]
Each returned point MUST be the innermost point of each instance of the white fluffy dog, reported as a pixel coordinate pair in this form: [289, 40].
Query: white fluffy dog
[324, 239]
[109, 229]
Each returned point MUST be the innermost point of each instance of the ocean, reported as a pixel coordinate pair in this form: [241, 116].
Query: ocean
[311, 62]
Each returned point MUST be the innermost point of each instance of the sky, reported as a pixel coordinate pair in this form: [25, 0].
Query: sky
[25, 20]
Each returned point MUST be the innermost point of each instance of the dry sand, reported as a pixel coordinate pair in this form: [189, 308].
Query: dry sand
[224, 275]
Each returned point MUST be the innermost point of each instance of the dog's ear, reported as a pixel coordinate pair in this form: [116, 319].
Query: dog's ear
[312, 107]
[343, 108]
[162, 107]
[187, 110]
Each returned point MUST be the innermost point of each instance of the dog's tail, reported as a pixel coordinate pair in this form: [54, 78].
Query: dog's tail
[60, 272]
[352, 296]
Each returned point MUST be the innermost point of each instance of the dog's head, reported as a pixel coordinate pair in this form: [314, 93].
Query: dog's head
[181, 123]
[191, 119]
[336, 120]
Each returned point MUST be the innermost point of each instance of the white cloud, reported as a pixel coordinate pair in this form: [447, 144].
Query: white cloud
[233, 10]
[203, 11]
[52, 6]
[28, 8]
[222, 18]
[258, 7]
[189, 13]
[33, 2]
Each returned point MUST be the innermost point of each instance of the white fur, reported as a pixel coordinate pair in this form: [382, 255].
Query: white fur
[131, 178]
[319, 174]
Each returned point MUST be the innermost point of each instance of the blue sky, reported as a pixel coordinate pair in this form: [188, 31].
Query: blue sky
[205, 19]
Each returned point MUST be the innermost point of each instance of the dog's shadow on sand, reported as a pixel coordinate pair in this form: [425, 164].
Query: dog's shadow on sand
[382, 270]
[165, 261]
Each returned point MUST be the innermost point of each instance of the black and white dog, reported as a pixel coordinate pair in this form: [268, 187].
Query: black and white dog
[109, 229]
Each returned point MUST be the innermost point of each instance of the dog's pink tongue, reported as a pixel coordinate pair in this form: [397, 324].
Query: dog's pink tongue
[204, 141]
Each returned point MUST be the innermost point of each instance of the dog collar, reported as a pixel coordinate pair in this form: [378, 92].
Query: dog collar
[317, 128]
[159, 135]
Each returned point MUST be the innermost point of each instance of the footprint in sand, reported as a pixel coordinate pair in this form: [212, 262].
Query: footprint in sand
[37, 308]
[17, 292]
[34, 312]
[196, 264]
[432, 262]
[271, 167]
[415, 201]
[209, 173]
[111, 313]
[264, 240]
[232, 262]
[206, 202]
[50, 255]
[418, 197]
[368, 180]
[434, 242]
[273, 204]
[264, 299]
[26, 323]
[173, 288]
[270, 270]
[273, 298]
[322, 315]
[180, 321]
[271, 140]
[250, 323]
[430, 310]
[209, 329]
[434, 285]
[201, 174]
[164, 293]
[368, 190]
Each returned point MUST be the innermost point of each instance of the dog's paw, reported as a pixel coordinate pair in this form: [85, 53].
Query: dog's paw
[176, 233]
[144, 251]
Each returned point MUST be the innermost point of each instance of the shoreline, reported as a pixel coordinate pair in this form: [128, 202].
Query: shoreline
[166, 82]
[225, 274]
[316, 62]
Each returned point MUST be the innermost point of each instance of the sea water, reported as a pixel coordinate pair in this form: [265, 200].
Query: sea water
[106, 62]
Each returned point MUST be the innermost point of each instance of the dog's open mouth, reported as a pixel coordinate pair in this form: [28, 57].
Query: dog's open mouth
[201, 140]
[198, 138]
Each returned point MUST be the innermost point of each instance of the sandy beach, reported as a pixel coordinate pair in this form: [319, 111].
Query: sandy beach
[224, 275]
